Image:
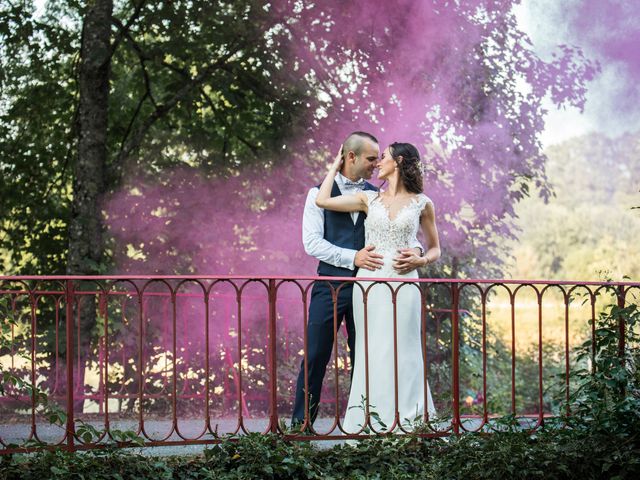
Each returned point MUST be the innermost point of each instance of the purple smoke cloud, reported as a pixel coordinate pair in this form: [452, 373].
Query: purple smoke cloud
[445, 76]
[442, 76]
[608, 31]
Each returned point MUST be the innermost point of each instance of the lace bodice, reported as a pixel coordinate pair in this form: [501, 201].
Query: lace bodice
[388, 235]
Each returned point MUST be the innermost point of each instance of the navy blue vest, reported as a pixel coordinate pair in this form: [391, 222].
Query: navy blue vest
[340, 231]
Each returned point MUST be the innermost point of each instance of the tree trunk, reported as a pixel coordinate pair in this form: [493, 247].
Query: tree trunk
[85, 227]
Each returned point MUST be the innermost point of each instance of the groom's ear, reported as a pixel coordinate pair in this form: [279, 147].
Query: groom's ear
[350, 155]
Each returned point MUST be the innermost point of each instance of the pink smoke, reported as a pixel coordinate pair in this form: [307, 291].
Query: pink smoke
[440, 76]
[609, 32]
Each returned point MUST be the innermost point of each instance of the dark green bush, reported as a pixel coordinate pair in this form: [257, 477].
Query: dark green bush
[551, 454]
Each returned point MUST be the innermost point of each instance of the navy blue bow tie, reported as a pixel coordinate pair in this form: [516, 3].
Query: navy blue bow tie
[358, 184]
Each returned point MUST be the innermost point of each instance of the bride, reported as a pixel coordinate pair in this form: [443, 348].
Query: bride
[388, 388]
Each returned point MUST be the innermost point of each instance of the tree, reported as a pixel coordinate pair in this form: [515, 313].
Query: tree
[445, 77]
[37, 137]
[85, 229]
[90, 93]
[195, 83]
[588, 229]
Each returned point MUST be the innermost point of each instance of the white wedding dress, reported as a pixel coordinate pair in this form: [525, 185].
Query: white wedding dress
[388, 235]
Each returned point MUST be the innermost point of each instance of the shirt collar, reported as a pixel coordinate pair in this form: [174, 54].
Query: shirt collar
[341, 179]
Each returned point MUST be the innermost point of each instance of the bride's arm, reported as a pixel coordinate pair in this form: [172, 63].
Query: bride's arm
[428, 224]
[408, 260]
[341, 203]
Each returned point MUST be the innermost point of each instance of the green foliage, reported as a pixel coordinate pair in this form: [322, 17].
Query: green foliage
[37, 109]
[589, 226]
[553, 454]
[12, 384]
[199, 84]
[101, 464]
[607, 398]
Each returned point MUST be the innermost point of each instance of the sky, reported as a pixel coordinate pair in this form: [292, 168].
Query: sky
[601, 30]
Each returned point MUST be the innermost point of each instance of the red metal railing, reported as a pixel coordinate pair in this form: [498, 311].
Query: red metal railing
[188, 359]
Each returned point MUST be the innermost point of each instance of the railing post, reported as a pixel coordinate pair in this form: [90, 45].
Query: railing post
[621, 325]
[70, 295]
[273, 379]
[455, 356]
[621, 332]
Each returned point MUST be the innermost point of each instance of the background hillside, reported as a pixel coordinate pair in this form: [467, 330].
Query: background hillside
[589, 229]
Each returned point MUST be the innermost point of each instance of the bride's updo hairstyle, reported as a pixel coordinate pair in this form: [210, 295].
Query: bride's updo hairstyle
[409, 167]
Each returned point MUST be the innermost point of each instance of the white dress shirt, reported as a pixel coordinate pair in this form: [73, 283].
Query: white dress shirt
[313, 229]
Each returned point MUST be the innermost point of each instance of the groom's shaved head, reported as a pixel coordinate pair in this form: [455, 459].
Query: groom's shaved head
[356, 142]
[360, 152]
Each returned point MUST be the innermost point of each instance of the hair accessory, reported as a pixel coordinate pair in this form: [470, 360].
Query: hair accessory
[420, 164]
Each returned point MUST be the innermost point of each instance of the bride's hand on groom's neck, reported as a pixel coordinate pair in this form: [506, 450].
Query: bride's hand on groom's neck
[338, 160]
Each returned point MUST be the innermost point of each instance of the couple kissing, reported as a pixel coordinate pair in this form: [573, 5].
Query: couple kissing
[355, 230]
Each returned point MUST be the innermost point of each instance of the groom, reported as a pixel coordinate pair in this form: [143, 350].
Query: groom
[336, 239]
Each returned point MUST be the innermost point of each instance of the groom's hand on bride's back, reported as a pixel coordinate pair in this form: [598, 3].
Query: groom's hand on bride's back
[368, 259]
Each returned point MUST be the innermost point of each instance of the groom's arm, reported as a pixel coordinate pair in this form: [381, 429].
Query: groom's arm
[313, 236]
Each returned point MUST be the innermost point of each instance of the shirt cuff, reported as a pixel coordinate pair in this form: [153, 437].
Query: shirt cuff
[348, 258]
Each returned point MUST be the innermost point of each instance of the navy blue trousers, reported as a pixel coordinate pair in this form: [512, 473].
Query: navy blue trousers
[320, 340]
